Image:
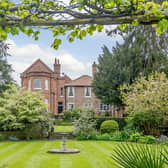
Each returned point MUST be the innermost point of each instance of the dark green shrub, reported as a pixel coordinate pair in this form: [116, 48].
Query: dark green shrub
[148, 139]
[82, 136]
[120, 136]
[104, 137]
[93, 135]
[2, 138]
[100, 119]
[109, 126]
[135, 137]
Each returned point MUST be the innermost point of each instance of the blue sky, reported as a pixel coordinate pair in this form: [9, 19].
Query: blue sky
[76, 58]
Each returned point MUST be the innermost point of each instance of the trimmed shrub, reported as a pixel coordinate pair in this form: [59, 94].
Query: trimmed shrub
[104, 137]
[99, 119]
[109, 126]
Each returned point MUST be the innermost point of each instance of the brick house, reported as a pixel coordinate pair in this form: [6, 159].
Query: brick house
[60, 92]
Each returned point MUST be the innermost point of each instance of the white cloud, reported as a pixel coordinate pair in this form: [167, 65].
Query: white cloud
[23, 56]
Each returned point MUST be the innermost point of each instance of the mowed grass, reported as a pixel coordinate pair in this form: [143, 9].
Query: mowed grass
[63, 128]
[33, 154]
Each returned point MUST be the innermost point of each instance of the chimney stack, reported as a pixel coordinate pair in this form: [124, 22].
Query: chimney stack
[94, 68]
[57, 67]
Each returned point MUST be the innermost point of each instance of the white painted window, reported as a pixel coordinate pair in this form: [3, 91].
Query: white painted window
[46, 84]
[29, 84]
[70, 106]
[71, 92]
[88, 92]
[104, 107]
[37, 84]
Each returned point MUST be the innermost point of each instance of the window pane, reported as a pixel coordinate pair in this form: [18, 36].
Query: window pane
[37, 83]
[71, 91]
[70, 106]
[62, 92]
[87, 92]
[46, 84]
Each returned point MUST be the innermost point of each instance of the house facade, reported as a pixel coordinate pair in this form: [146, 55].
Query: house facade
[61, 92]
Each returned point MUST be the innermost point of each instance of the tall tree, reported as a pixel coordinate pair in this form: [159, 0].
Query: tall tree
[143, 51]
[5, 68]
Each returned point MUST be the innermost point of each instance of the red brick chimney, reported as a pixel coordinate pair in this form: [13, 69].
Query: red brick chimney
[94, 68]
[57, 67]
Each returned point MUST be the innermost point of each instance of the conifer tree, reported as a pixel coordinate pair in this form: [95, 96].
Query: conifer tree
[143, 51]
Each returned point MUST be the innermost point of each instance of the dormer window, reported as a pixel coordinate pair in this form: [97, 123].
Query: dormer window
[70, 91]
[37, 84]
[88, 92]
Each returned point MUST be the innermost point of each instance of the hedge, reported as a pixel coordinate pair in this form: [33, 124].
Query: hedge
[100, 119]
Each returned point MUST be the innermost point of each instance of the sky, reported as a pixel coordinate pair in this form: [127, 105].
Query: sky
[76, 58]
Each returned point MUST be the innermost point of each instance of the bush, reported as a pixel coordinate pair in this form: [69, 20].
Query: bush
[147, 139]
[120, 136]
[109, 126]
[104, 137]
[135, 137]
[100, 119]
[24, 112]
[93, 135]
[2, 138]
[85, 124]
[82, 136]
[73, 114]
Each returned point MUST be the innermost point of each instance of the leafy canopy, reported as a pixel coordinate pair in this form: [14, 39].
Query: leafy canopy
[78, 18]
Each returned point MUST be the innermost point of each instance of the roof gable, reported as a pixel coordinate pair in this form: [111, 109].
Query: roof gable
[83, 80]
[38, 66]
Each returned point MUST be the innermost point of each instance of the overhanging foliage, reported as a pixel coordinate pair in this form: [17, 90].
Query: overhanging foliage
[80, 17]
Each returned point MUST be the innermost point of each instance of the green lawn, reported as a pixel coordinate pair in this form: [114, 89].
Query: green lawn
[32, 154]
[61, 128]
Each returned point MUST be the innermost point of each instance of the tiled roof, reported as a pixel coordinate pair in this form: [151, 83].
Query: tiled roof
[83, 80]
[38, 66]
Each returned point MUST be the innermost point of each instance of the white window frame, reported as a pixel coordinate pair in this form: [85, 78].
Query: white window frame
[90, 91]
[104, 105]
[29, 84]
[38, 88]
[46, 84]
[70, 104]
[73, 91]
